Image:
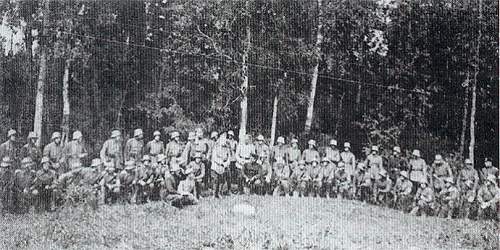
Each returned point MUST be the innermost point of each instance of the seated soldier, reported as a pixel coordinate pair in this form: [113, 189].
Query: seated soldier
[42, 186]
[382, 189]
[185, 190]
[143, 179]
[282, 179]
[253, 175]
[155, 181]
[424, 199]
[449, 197]
[343, 182]
[488, 197]
[300, 178]
[328, 173]
[403, 192]
[110, 185]
[127, 177]
[23, 178]
[198, 168]
[316, 178]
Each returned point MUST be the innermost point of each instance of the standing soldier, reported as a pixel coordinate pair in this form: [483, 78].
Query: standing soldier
[349, 160]
[134, 146]
[279, 154]
[418, 168]
[23, 178]
[396, 163]
[374, 163]
[262, 150]
[54, 151]
[424, 199]
[488, 197]
[30, 149]
[244, 152]
[382, 189]
[403, 192]
[488, 169]
[207, 180]
[112, 153]
[449, 197]
[9, 148]
[232, 166]
[221, 158]
[468, 182]
[74, 152]
[300, 178]
[332, 153]
[173, 150]
[310, 154]
[328, 170]
[154, 147]
[440, 170]
[293, 155]
[6, 174]
[198, 168]
[42, 186]
[316, 178]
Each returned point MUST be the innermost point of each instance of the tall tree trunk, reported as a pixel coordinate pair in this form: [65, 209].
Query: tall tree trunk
[244, 84]
[66, 104]
[340, 118]
[464, 121]
[42, 75]
[474, 87]
[274, 118]
[314, 80]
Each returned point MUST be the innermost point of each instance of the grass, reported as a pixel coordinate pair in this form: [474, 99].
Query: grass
[279, 223]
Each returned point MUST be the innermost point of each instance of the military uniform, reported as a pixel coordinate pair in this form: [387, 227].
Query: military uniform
[8, 149]
[110, 186]
[173, 151]
[468, 182]
[282, 176]
[6, 176]
[328, 173]
[42, 189]
[243, 156]
[424, 201]
[333, 155]
[253, 174]
[184, 195]
[440, 171]
[300, 178]
[382, 190]
[375, 164]
[293, 156]
[198, 168]
[32, 151]
[112, 152]
[262, 151]
[363, 183]
[316, 180]
[221, 159]
[396, 164]
[127, 177]
[349, 160]
[488, 196]
[343, 185]
[54, 152]
[309, 155]
[73, 154]
[403, 192]
[418, 170]
[133, 149]
[449, 198]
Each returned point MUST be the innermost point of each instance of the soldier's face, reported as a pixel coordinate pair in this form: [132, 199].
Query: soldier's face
[13, 138]
[157, 138]
[33, 140]
[325, 164]
[311, 146]
[46, 166]
[57, 140]
[259, 142]
[346, 149]
[197, 160]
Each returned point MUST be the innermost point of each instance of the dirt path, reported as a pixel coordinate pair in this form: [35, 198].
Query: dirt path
[279, 223]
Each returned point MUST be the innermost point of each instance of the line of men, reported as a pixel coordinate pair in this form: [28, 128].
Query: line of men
[138, 172]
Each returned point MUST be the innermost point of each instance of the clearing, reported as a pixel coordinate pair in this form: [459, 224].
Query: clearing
[279, 223]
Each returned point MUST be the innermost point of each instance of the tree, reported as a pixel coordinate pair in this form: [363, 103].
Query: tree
[315, 71]
[474, 85]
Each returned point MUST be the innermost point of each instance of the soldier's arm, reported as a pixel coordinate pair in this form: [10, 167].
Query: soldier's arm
[202, 174]
[103, 151]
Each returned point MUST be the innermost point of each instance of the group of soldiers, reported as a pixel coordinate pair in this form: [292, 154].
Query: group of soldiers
[180, 173]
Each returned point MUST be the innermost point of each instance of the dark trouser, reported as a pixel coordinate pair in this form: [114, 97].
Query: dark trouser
[207, 179]
[21, 201]
[314, 188]
[218, 181]
[43, 200]
[238, 178]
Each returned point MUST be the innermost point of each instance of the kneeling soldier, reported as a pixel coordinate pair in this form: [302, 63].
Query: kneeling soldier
[22, 181]
[382, 193]
[328, 172]
[282, 177]
[253, 175]
[198, 168]
[42, 186]
[184, 195]
[363, 183]
[488, 197]
[110, 185]
[316, 176]
[127, 177]
[300, 178]
[343, 182]
[403, 192]
[449, 198]
[424, 199]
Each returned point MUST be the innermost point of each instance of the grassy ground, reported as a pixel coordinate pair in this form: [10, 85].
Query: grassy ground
[279, 223]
